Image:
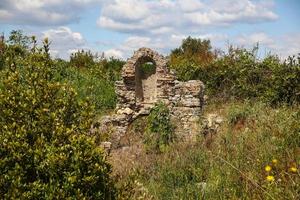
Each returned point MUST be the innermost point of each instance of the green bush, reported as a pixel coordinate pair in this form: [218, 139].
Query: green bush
[93, 78]
[88, 84]
[159, 131]
[238, 114]
[192, 55]
[238, 73]
[82, 59]
[109, 69]
[45, 152]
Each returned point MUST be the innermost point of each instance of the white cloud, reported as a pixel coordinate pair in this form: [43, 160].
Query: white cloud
[284, 46]
[288, 45]
[42, 12]
[149, 16]
[161, 44]
[64, 41]
[260, 37]
[190, 5]
[114, 53]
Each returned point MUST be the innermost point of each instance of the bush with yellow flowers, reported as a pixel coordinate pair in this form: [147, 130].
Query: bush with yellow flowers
[45, 152]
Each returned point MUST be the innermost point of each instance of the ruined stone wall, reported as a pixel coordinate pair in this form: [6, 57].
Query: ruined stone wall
[184, 99]
[186, 109]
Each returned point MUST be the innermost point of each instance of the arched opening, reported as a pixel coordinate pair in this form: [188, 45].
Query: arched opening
[145, 81]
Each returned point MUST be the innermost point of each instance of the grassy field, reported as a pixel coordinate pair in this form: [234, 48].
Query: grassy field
[254, 155]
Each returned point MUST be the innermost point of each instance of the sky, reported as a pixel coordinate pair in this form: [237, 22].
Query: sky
[119, 27]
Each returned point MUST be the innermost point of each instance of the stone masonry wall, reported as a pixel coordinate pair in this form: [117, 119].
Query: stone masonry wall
[184, 99]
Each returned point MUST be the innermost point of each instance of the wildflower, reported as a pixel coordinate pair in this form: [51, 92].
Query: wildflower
[270, 178]
[293, 169]
[268, 168]
[274, 161]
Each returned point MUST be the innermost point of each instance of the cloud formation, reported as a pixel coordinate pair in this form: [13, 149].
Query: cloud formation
[64, 41]
[162, 44]
[166, 16]
[42, 12]
[158, 24]
[284, 45]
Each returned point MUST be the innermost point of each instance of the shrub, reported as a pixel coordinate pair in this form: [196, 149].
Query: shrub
[82, 59]
[159, 130]
[190, 57]
[88, 84]
[109, 69]
[238, 114]
[239, 73]
[45, 152]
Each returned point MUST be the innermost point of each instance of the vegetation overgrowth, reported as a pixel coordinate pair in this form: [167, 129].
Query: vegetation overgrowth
[255, 155]
[48, 105]
[45, 151]
[159, 132]
[238, 73]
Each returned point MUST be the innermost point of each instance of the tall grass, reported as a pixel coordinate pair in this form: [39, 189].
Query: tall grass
[233, 165]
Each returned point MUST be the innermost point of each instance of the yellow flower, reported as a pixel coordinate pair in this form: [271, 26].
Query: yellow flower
[275, 161]
[270, 178]
[293, 169]
[268, 168]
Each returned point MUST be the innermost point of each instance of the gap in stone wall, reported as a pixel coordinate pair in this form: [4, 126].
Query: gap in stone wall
[146, 81]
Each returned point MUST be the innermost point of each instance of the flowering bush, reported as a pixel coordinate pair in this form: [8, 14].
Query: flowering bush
[45, 152]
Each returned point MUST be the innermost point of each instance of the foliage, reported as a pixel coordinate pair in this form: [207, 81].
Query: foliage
[15, 48]
[239, 73]
[104, 68]
[159, 132]
[45, 152]
[190, 56]
[234, 165]
[238, 114]
[2, 48]
[82, 59]
[110, 69]
[88, 85]
[94, 78]
[148, 68]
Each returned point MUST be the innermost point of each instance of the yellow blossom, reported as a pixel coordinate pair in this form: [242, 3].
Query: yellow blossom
[275, 161]
[293, 169]
[270, 178]
[268, 168]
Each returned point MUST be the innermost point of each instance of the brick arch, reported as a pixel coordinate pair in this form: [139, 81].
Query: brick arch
[137, 91]
[144, 54]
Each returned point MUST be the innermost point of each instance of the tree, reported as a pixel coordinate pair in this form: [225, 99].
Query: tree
[82, 59]
[191, 56]
[45, 152]
[17, 47]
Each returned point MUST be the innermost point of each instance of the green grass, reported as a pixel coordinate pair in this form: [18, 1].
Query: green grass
[92, 86]
[232, 166]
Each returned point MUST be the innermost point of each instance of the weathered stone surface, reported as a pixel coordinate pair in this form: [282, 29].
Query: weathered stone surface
[126, 111]
[137, 93]
[211, 124]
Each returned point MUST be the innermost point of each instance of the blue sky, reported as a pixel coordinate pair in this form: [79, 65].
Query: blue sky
[118, 27]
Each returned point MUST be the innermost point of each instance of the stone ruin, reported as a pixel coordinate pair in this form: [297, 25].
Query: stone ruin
[138, 92]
